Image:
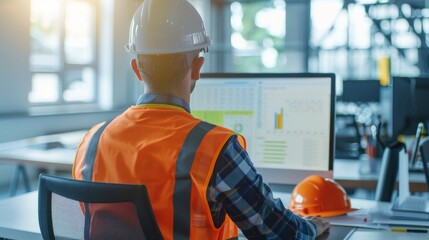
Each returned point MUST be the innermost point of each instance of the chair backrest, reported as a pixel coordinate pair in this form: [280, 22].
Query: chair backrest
[424, 151]
[72, 209]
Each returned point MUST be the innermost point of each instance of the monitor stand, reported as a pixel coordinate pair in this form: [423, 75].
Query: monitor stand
[424, 150]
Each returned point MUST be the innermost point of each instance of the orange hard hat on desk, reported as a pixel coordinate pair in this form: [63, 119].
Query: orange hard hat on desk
[319, 197]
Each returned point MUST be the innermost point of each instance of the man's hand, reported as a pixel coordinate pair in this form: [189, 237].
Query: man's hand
[321, 224]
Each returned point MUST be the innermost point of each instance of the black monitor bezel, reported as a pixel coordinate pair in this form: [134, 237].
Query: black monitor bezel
[399, 124]
[293, 75]
[360, 91]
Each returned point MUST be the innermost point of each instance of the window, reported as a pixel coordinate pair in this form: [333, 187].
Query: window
[258, 31]
[350, 38]
[256, 36]
[63, 54]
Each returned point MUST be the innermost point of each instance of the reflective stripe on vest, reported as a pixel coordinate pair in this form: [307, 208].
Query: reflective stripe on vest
[183, 184]
[87, 171]
[182, 188]
[90, 155]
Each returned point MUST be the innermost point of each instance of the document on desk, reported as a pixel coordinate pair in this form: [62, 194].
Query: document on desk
[360, 234]
[413, 208]
[360, 218]
[383, 215]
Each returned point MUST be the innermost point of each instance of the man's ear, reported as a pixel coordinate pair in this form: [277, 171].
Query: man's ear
[197, 64]
[135, 69]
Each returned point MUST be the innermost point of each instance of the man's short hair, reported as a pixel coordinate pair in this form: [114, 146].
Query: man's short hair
[161, 70]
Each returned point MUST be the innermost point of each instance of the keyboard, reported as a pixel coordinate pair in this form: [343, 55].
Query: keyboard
[413, 208]
[413, 203]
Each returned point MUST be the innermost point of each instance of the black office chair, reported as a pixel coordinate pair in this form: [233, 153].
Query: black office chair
[116, 211]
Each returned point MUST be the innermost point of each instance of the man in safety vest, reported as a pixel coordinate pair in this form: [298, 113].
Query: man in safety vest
[200, 180]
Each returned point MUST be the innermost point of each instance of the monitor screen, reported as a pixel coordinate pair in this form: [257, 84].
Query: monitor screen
[405, 104]
[287, 119]
[363, 91]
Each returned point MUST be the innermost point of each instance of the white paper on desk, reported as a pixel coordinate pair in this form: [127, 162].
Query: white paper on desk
[404, 187]
[399, 222]
[360, 234]
[360, 218]
[382, 214]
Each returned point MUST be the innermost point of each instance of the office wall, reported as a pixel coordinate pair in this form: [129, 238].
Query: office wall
[14, 55]
[115, 72]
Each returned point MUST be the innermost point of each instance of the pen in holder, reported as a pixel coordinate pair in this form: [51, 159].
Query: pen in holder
[388, 172]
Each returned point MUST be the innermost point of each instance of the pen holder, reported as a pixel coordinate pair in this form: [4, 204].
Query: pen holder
[388, 172]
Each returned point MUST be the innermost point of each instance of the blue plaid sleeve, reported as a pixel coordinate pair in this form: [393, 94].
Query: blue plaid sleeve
[237, 189]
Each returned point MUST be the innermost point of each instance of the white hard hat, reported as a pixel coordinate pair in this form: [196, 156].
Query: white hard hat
[166, 26]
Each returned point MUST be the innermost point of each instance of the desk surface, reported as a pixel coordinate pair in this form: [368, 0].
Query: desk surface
[19, 218]
[348, 173]
[31, 151]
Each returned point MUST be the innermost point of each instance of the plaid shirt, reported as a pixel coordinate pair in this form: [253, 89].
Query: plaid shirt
[237, 189]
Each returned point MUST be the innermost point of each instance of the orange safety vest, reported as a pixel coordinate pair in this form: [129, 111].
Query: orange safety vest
[169, 151]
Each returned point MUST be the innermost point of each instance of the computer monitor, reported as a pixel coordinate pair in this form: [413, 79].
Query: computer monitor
[406, 103]
[287, 119]
[363, 91]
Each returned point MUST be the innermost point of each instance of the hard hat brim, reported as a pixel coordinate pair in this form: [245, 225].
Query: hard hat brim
[332, 213]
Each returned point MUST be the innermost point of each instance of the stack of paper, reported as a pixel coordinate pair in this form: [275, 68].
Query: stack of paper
[413, 207]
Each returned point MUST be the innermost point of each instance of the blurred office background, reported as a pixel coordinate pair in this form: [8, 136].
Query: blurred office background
[63, 66]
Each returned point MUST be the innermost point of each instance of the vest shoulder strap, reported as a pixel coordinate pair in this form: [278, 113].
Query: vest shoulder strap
[91, 153]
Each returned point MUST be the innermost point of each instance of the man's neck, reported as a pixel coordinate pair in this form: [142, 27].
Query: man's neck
[180, 94]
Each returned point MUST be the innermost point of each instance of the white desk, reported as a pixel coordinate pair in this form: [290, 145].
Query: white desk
[348, 173]
[19, 219]
[58, 159]
[25, 152]
[29, 152]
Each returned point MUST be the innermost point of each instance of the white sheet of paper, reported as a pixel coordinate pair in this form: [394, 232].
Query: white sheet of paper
[404, 187]
[382, 214]
[360, 234]
[360, 218]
